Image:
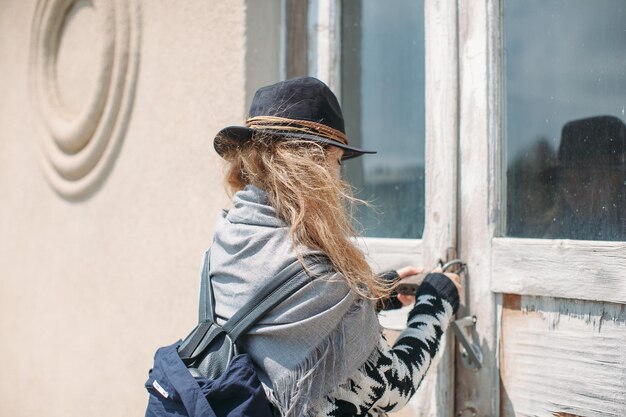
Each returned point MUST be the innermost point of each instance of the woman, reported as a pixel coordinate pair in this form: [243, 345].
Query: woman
[320, 353]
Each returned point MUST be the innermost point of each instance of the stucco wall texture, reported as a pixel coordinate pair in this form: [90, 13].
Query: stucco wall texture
[91, 284]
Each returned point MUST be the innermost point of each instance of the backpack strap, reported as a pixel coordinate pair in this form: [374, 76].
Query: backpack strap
[286, 283]
[207, 301]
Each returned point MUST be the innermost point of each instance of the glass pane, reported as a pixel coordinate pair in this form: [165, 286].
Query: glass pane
[383, 101]
[566, 94]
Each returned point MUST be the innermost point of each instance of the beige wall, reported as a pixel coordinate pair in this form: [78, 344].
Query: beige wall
[92, 284]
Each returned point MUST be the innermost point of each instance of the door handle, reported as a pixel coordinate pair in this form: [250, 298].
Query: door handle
[471, 354]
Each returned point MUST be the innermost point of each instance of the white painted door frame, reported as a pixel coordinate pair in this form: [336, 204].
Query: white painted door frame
[480, 194]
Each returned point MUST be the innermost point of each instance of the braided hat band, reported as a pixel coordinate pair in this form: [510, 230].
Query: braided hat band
[284, 124]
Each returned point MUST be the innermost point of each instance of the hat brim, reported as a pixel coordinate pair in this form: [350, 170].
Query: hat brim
[237, 135]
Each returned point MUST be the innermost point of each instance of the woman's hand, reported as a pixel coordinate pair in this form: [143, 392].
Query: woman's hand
[408, 271]
[456, 280]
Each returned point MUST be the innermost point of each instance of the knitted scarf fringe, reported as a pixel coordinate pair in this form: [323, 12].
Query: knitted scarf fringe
[297, 394]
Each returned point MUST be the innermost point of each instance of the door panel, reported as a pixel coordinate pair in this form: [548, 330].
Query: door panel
[565, 169]
[582, 270]
[562, 358]
[476, 392]
[529, 179]
[522, 162]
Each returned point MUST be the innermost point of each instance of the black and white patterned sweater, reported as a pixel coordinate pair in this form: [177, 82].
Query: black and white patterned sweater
[390, 377]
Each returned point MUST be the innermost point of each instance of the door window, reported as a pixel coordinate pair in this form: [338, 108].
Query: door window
[565, 131]
[382, 94]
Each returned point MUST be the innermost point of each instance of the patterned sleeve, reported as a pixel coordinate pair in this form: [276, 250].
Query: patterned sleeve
[391, 376]
[392, 302]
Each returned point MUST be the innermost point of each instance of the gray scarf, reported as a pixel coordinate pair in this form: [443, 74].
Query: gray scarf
[312, 342]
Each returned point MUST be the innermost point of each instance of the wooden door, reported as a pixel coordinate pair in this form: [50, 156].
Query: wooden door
[546, 283]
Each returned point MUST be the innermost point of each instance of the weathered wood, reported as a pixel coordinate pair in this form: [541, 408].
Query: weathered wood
[442, 125]
[479, 191]
[441, 156]
[563, 357]
[584, 270]
[296, 12]
[324, 34]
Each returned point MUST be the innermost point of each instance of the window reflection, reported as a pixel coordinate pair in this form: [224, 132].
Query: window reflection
[590, 180]
[565, 65]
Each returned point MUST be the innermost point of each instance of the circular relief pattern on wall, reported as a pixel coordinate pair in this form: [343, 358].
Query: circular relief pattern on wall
[83, 68]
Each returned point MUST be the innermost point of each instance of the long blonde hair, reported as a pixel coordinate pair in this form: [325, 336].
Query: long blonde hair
[317, 205]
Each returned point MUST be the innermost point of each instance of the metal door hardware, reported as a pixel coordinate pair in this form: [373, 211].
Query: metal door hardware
[452, 262]
[459, 264]
[471, 354]
[468, 412]
[409, 285]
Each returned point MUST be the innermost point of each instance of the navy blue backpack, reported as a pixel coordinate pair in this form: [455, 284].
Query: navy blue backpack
[205, 375]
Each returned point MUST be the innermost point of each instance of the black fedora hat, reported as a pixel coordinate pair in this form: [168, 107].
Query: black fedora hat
[301, 108]
[598, 140]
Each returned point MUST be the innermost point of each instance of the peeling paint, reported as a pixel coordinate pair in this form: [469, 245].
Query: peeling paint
[563, 358]
[553, 310]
